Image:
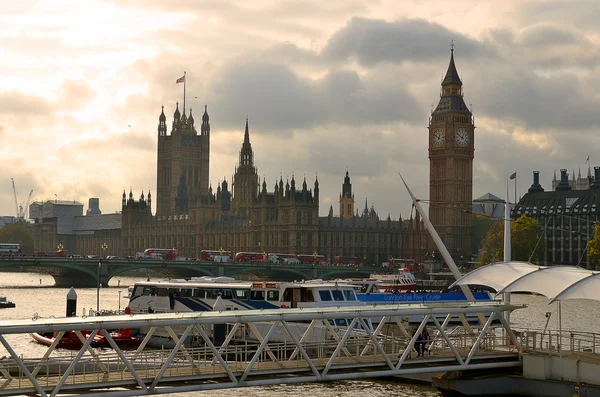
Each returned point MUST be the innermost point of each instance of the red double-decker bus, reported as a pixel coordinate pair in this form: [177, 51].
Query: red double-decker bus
[161, 253]
[346, 260]
[215, 256]
[306, 258]
[58, 253]
[250, 257]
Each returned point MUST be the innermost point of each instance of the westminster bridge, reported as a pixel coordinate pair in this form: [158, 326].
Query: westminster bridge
[83, 272]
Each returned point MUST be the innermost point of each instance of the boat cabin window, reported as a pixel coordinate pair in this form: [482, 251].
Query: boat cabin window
[337, 295]
[139, 291]
[288, 295]
[257, 295]
[273, 295]
[163, 292]
[185, 292]
[325, 295]
[242, 294]
[226, 294]
[199, 293]
[212, 293]
[349, 294]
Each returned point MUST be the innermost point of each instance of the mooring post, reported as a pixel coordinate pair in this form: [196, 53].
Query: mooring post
[71, 303]
[219, 330]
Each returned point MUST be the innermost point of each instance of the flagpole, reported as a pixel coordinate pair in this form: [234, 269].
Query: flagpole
[184, 83]
[515, 188]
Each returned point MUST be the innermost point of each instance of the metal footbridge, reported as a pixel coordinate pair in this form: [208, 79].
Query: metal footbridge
[257, 347]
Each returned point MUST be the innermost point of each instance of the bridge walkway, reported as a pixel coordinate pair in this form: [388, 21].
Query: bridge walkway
[250, 355]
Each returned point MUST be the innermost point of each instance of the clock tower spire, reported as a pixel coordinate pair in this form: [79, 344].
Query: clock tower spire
[451, 153]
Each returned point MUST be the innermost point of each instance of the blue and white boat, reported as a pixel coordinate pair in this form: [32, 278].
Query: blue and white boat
[369, 292]
[201, 294]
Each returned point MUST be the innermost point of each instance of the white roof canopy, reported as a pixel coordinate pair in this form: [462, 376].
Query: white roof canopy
[554, 282]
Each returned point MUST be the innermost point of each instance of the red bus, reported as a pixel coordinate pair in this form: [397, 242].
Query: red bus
[305, 258]
[161, 253]
[346, 260]
[250, 257]
[59, 253]
[409, 264]
[215, 256]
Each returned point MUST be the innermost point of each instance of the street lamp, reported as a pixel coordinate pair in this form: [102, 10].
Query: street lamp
[98, 285]
[59, 247]
[104, 247]
[315, 257]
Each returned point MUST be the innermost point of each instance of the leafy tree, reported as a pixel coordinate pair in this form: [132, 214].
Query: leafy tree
[19, 233]
[594, 246]
[524, 232]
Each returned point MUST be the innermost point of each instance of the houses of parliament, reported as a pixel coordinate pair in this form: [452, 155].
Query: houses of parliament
[247, 214]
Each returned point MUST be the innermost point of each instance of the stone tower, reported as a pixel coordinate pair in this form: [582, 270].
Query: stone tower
[183, 162]
[245, 182]
[346, 199]
[451, 153]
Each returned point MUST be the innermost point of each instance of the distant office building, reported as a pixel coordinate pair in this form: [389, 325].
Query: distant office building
[566, 215]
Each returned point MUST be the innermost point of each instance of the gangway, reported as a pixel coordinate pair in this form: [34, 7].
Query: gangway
[247, 355]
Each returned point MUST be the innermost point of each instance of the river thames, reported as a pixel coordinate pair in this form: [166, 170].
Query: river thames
[35, 295]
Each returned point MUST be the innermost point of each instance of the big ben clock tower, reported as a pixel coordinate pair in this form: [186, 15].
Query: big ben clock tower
[451, 153]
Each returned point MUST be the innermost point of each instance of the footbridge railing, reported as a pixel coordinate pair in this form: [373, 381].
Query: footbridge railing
[213, 350]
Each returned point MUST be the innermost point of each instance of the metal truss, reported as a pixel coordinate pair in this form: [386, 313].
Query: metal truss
[260, 347]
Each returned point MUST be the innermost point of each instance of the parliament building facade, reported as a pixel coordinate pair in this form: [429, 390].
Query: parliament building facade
[246, 214]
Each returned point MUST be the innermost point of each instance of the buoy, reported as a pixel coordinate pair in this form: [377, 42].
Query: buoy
[127, 310]
[283, 306]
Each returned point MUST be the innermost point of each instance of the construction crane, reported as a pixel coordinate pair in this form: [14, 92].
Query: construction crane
[27, 204]
[15, 194]
[20, 210]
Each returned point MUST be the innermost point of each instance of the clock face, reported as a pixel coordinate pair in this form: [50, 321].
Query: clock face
[438, 138]
[462, 137]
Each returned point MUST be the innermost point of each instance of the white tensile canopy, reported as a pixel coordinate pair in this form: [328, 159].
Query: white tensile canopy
[555, 282]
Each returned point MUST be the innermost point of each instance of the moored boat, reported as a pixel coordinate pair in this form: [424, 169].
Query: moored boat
[71, 341]
[201, 294]
[403, 280]
[6, 304]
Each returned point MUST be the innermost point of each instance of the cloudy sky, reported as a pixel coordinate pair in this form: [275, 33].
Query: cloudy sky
[328, 86]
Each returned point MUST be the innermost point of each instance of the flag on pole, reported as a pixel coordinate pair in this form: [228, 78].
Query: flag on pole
[514, 175]
[180, 80]
[588, 159]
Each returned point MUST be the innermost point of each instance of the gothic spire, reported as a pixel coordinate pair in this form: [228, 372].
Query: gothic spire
[451, 75]
[246, 154]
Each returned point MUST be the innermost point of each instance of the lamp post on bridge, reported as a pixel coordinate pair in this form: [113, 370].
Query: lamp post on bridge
[59, 247]
[315, 257]
[104, 247]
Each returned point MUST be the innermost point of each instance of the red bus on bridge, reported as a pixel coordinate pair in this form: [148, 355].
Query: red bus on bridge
[215, 256]
[59, 253]
[250, 257]
[161, 253]
[306, 258]
[346, 260]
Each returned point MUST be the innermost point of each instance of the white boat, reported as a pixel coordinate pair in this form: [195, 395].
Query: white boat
[403, 280]
[370, 292]
[201, 294]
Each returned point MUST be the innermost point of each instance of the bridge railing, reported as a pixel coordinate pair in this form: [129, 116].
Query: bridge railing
[287, 345]
[554, 341]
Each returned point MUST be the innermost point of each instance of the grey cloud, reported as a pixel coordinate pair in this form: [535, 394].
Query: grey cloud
[279, 101]
[270, 94]
[374, 41]
[26, 106]
[550, 35]
[556, 102]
